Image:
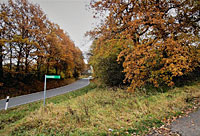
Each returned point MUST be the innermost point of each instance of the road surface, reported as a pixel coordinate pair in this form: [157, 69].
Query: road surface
[184, 126]
[24, 99]
[188, 126]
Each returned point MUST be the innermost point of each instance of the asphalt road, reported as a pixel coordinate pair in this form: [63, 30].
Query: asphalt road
[24, 99]
[187, 126]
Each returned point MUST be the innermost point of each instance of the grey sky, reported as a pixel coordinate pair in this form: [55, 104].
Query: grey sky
[72, 16]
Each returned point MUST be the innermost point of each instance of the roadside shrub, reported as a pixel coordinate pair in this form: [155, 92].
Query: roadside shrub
[104, 61]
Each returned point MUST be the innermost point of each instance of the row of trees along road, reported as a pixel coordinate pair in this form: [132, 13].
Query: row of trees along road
[156, 42]
[30, 44]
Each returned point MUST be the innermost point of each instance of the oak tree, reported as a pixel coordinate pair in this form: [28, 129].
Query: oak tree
[163, 37]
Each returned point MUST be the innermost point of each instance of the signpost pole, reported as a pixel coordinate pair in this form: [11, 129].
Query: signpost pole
[45, 80]
[45, 83]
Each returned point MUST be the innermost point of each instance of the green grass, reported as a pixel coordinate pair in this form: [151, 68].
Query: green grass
[98, 111]
[15, 115]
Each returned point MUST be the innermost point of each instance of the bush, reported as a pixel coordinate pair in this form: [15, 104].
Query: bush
[105, 64]
[110, 71]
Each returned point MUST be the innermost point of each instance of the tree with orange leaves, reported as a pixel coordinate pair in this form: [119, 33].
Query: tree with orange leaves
[162, 38]
[30, 43]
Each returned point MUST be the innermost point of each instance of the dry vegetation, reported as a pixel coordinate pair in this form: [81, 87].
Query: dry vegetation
[106, 111]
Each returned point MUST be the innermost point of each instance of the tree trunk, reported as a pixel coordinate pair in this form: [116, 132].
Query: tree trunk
[48, 66]
[18, 60]
[11, 57]
[56, 67]
[1, 62]
[38, 68]
[26, 64]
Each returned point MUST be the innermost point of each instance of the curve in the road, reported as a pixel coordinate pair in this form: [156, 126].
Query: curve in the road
[24, 99]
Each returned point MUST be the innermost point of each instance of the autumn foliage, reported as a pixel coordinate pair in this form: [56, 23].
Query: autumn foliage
[31, 44]
[162, 38]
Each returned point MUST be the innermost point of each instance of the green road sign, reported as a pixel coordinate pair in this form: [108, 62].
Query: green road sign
[45, 83]
[53, 76]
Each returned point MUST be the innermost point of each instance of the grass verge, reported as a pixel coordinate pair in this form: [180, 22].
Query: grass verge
[13, 116]
[102, 111]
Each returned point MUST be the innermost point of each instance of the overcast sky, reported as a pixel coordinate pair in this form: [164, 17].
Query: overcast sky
[72, 16]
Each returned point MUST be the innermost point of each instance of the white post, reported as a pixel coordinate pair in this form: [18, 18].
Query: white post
[7, 100]
[44, 89]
